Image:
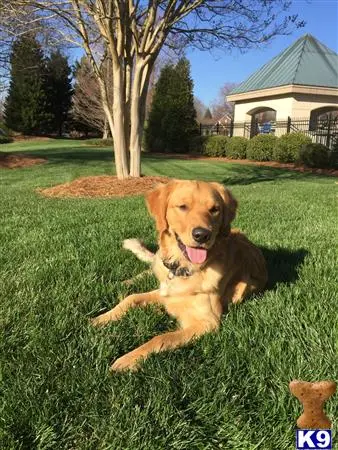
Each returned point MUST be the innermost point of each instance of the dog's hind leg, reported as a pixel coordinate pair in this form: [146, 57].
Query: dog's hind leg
[237, 291]
[243, 289]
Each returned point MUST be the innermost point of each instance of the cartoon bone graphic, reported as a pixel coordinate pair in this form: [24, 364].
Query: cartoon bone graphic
[313, 396]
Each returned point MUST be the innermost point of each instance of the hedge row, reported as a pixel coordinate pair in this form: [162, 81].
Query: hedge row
[292, 147]
[98, 142]
[5, 139]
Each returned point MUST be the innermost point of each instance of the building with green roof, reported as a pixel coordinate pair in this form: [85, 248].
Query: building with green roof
[299, 83]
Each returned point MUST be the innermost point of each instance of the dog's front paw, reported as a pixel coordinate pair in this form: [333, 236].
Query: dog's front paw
[97, 321]
[102, 319]
[129, 361]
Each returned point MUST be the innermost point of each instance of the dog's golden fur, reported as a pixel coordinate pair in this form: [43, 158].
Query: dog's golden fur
[234, 267]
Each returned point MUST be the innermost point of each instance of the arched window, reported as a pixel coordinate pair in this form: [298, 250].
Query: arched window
[322, 118]
[263, 120]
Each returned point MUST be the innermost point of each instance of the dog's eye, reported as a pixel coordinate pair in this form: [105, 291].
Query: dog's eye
[182, 207]
[214, 210]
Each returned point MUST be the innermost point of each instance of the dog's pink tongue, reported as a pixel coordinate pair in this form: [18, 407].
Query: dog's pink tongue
[196, 255]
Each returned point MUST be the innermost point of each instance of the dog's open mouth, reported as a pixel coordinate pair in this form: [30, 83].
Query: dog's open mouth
[196, 255]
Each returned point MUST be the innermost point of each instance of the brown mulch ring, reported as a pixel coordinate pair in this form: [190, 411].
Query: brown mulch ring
[15, 160]
[274, 164]
[23, 137]
[103, 186]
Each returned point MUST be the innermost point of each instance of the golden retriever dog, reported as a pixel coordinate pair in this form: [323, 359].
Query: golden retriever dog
[201, 264]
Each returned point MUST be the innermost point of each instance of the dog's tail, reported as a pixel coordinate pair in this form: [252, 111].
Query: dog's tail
[137, 247]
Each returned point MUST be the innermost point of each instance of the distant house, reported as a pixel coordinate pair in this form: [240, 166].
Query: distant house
[209, 125]
[300, 85]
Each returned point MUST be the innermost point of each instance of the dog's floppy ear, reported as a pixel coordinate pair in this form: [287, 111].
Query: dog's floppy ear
[157, 202]
[230, 205]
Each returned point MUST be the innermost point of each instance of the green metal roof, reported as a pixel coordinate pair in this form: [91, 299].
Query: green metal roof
[306, 62]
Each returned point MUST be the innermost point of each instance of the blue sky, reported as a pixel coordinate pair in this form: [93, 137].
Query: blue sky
[211, 71]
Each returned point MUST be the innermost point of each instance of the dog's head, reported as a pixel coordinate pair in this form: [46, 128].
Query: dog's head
[194, 213]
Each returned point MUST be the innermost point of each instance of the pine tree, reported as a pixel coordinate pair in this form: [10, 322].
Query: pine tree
[155, 134]
[207, 114]
[26, 104]
[172, 119]
[59, 90]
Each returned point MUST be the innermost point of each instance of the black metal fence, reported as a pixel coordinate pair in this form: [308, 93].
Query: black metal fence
[323, 131]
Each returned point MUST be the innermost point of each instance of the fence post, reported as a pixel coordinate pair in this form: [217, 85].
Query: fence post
[288, 125]
[254, 128]
[328, 137]
[232, 127]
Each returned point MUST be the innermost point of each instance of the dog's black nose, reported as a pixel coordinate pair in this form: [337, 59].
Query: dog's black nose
[201, 235]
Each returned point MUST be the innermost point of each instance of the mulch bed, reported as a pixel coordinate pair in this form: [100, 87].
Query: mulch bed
[23, 137]
[103, 186]
[274, 164]
[13, 161]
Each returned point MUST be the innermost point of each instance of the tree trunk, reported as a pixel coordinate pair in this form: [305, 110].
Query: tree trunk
[118, 132]
[115, 118]
[136, 127]
[115, 122]
[126, 107]
[106, 131]
[120, 150]
[138, 113]
[126, 117]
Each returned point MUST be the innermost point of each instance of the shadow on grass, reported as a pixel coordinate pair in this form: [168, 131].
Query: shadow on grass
[282, 265]
[246, 174]
[74, 155]
[235, 174]
[23, 433]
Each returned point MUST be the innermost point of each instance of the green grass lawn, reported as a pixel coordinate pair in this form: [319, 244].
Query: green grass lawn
[62, 263]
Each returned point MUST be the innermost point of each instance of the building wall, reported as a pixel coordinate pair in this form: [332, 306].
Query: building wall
[304, 103]
[283, 106]
[296, 106]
